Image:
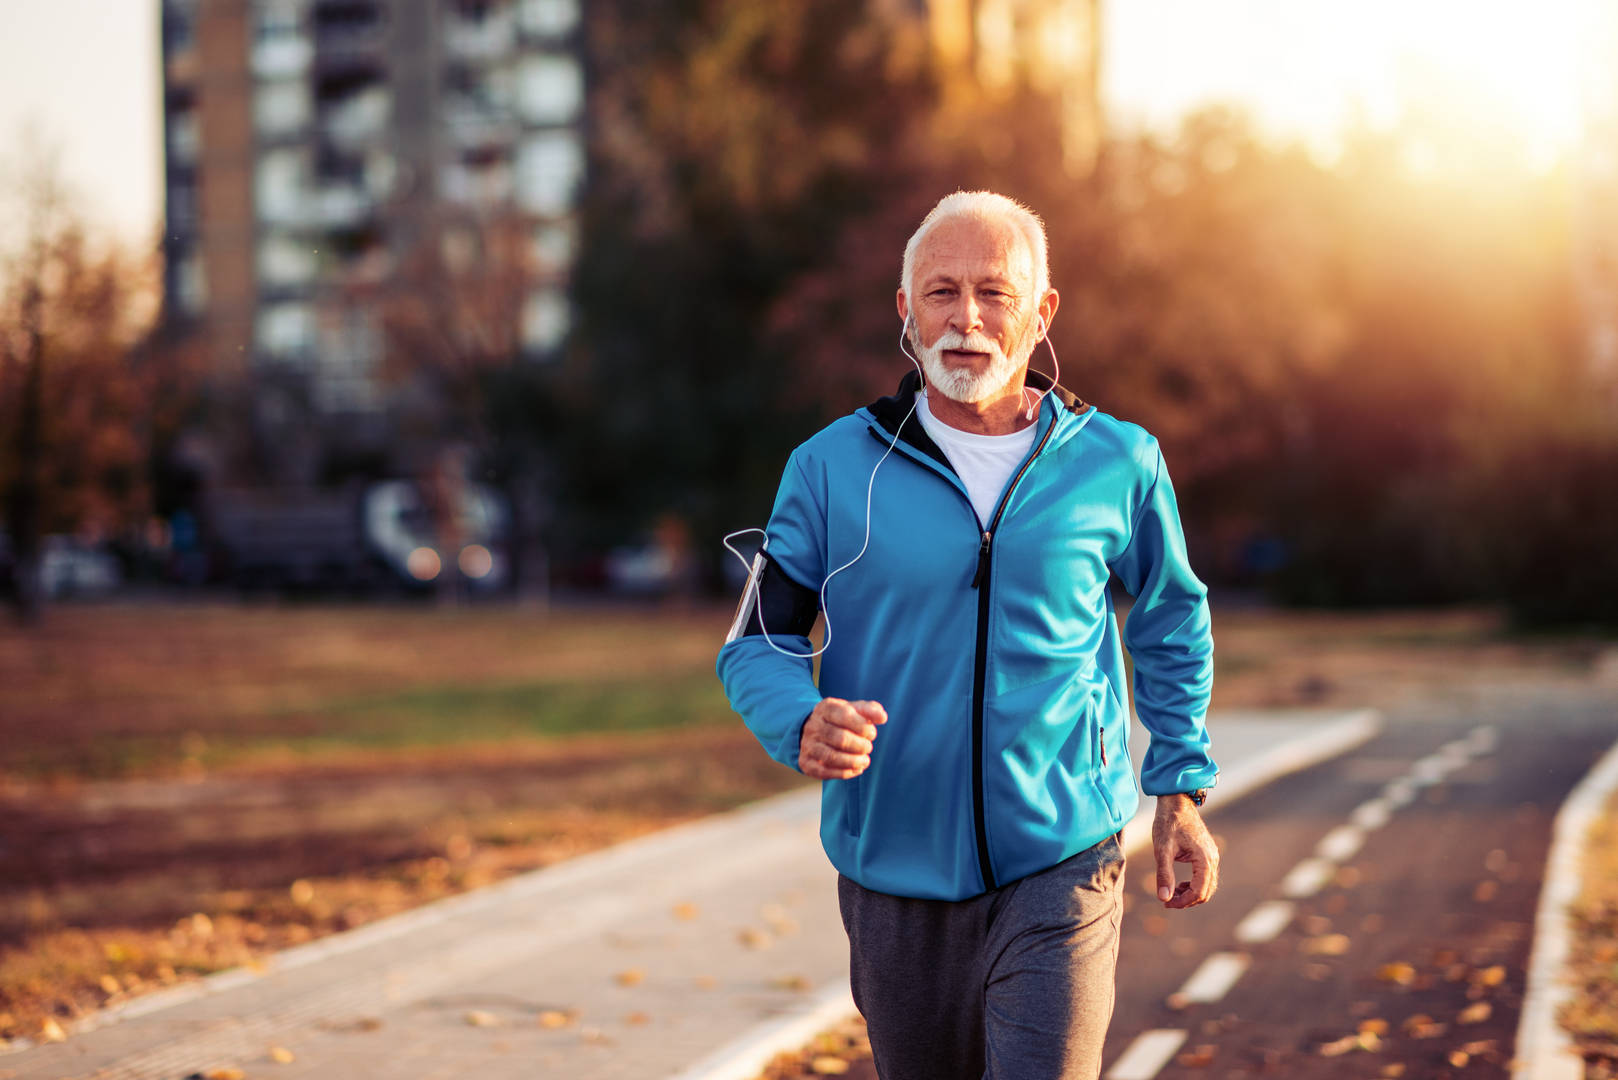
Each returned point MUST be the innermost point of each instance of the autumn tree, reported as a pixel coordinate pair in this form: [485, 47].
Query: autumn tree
[75, 406]
[735, 141]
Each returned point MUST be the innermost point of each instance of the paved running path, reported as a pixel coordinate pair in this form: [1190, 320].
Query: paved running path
[661, 953]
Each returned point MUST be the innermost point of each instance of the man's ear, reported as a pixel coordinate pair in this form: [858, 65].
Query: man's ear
[1047, 312]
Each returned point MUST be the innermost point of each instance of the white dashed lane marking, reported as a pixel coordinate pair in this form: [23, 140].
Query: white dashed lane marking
[1150, 1051]
[1307, 878]
[1215, 977]
[1343, 842]
[1372, 814]
[1265, 921]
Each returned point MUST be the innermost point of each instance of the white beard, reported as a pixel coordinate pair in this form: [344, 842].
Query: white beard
[963, 384]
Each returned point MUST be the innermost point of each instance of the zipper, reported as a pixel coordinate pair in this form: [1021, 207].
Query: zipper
[1103, 728]
[980, 582]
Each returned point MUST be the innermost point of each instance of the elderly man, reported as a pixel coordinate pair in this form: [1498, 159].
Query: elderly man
[970, 722]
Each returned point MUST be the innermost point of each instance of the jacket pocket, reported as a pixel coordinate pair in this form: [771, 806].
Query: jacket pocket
[1103, 784]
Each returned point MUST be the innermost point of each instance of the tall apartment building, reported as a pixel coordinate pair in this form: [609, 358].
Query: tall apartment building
[312, 146]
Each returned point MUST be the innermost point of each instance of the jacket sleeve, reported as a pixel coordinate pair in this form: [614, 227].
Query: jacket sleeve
[774, 692]
[1170, 639]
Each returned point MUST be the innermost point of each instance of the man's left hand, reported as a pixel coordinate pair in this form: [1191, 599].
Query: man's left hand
[1178, 835]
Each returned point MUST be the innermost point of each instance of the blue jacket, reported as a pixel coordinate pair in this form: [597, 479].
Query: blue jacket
[992, 645]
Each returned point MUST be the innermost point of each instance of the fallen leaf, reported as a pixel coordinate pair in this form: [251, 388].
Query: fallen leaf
[686, 912]
[1397, 973]
[1489, 976]
[1177, 1001]
[1485, 891]
[555, 1018]
[282, 1056]
[1479, 1048]
[792, 982]
[302, 892]
[754, 938]
[826, 1065]
[479, 1018]
[225, 1072]
[51, 1031]
[1393, 1071]
[630, 977]
[110, 985]
[1199, 1058]
[1459, 1058]
[1475, 1013]
[1326, 945]
[1339, 1047]
[1422, 1026]
[637, 1019]
[1373, 1027]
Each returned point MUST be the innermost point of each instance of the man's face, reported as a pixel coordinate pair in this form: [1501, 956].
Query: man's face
[973, 308]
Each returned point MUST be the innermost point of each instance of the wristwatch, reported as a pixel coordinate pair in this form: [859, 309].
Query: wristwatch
[1198, 797]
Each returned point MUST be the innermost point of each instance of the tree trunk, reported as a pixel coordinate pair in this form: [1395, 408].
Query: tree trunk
[23, 506]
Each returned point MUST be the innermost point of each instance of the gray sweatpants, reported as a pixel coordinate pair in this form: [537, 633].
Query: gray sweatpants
[1016, 984]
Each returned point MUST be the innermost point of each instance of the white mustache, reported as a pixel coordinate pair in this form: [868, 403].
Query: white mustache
[956, 341]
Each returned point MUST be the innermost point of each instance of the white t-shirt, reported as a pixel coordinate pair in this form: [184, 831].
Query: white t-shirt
[984, 462]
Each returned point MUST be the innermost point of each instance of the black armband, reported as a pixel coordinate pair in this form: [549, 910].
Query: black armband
[772, 602]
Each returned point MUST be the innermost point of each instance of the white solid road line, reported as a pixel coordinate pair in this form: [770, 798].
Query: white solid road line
[1307, 878]
[1544, 1051]
[1214, 978]
[1264, 922]
[1341, 843]
[748, 1057]
[1150, 1051]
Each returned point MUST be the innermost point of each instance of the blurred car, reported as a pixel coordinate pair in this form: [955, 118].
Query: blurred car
[71, 567]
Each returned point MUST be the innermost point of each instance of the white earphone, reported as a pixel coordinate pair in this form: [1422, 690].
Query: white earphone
[755, 569]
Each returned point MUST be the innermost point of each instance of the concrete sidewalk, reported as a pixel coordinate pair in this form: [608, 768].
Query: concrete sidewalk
[676, 954]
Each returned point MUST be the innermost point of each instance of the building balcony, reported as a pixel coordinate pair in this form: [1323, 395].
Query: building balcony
[281, 56]
[490, 37]
[358, 120]
[342, 206]
[473, 124]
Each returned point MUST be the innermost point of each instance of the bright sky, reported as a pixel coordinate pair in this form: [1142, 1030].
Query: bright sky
[1306, 66]
[85, 72]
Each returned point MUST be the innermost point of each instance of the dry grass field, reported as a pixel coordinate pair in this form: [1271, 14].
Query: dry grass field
[187, 788]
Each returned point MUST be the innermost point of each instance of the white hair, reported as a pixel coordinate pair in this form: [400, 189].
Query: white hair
[984, 206]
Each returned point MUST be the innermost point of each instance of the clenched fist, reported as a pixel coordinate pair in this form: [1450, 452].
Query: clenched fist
[837, 738]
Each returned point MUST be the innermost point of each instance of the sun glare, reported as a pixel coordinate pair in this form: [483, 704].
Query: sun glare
[1518, 75]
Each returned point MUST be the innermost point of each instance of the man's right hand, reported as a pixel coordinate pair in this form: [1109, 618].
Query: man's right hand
[837, 737]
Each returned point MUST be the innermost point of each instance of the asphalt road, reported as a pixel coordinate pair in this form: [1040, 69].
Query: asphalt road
[1376, 912]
